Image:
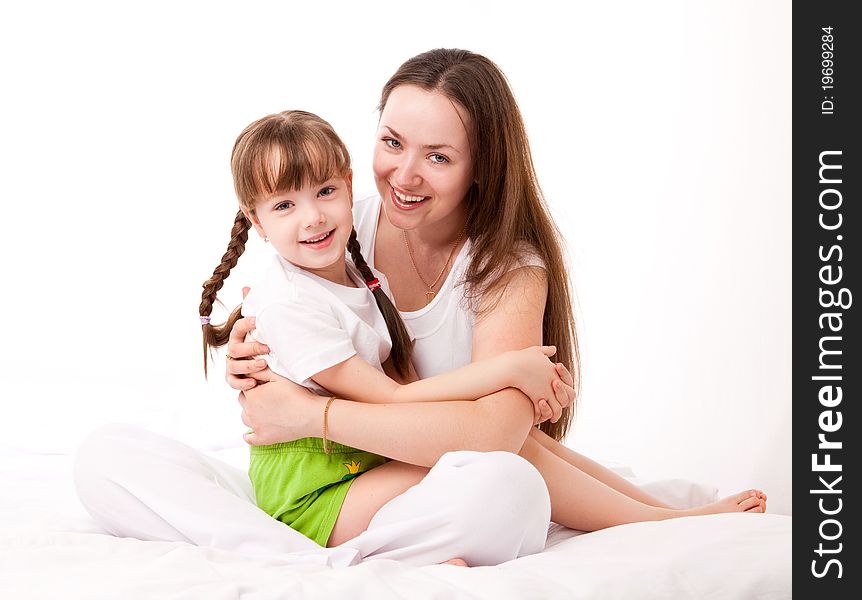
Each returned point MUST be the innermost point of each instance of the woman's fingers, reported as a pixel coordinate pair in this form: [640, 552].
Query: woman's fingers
[240, 383]
[241, 350]
[239, 330]
[245, 366]
[556, 407]
[561, 394]
[544, 412]
[549, 350]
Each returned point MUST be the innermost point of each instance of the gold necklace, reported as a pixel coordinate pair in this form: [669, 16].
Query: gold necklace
[429, 295]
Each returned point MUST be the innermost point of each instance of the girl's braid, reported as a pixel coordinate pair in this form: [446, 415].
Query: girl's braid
[215, 336]
[402, 347]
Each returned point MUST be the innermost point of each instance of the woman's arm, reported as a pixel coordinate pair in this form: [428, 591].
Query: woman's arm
[414, 433]
[528, 370]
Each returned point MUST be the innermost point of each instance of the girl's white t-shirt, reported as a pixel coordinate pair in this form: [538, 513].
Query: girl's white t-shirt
[443, 328]
[311, 324]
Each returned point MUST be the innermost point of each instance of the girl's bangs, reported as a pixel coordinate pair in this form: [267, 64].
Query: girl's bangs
[289, 160]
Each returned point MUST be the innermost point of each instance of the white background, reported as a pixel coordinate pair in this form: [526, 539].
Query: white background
[662, 137]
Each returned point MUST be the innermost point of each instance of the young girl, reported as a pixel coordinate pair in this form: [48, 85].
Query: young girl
[331, 327]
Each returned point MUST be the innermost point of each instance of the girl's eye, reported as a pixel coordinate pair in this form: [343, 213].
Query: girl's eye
[283, 205]
[392, 143]
[439, 159]
[327, 191]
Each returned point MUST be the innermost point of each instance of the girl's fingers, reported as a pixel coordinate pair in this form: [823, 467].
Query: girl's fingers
[564, 374]
[549, 350]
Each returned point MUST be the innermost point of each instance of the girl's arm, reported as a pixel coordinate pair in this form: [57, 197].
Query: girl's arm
[528, 369]
[417, 433]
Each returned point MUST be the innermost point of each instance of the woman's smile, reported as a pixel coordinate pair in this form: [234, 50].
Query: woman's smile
[406, 201]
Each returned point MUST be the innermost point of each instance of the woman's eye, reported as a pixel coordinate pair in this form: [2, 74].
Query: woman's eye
[439, 159]
[327, 191]
[392, 143]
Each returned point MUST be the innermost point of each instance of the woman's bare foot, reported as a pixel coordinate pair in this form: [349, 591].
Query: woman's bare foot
[752, 501]
[458, 562]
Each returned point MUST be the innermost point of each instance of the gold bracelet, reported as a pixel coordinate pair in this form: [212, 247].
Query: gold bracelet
[325, 415]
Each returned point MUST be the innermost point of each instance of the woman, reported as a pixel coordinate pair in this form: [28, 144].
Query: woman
[475, 264]
[452, 157]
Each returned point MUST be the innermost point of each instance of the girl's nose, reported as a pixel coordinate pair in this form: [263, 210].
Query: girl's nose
[313, 216]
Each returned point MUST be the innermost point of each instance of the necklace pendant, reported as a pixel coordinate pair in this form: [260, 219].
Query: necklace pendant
[429, 296]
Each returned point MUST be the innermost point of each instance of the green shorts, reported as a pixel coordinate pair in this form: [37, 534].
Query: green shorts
[302, 486]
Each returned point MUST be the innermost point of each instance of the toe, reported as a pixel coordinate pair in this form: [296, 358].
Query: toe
[758, 508]
[457, 562]
[741, 496]
[749, 503]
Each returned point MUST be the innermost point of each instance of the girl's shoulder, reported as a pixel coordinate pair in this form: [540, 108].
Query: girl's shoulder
[283, 284]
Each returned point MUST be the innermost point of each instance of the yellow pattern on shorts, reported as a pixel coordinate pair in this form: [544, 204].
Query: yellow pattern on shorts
[302, 486]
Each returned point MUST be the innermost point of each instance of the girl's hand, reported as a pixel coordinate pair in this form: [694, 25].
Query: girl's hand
[280, 411]
[538, 377]
[564, 395]
[241, 367]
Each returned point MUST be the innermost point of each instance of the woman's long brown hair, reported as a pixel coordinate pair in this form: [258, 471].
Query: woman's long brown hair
[277, 153]
[505, 204]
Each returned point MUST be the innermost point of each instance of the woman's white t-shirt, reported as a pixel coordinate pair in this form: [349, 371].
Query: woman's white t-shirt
[443, 328]
[311, 324]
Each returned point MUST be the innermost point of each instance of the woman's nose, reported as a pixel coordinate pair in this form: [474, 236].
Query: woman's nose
[407, 174]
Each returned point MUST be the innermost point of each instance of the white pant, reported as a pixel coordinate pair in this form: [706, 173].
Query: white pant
[486, 508]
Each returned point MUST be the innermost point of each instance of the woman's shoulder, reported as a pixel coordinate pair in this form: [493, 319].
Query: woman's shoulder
[525, 254]
[365, 214]
[365, 211]
[521, 254]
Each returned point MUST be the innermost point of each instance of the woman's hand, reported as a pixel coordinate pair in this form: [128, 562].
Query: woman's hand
[280, 411]
[547, 384]
[243, 371]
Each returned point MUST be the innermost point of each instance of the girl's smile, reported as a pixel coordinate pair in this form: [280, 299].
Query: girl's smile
[320, 241]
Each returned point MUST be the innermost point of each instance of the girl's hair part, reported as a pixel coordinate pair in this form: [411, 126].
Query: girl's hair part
[402, 347]
[505, 205]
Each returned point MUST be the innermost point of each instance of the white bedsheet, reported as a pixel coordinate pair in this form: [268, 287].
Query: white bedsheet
[50, 548]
